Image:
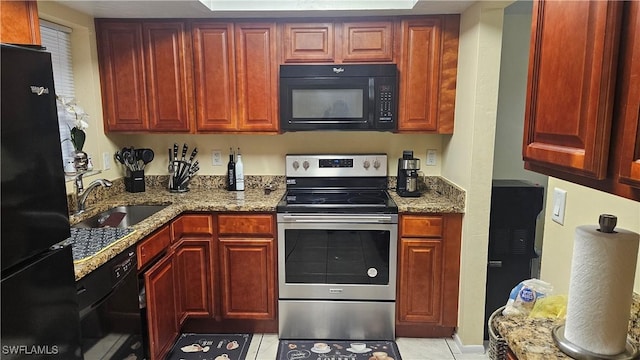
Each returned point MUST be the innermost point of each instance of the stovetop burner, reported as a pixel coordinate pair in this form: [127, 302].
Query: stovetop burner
[310, 197]
[337, 184]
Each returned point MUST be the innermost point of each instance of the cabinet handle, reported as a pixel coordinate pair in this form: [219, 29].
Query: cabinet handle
[495, 263]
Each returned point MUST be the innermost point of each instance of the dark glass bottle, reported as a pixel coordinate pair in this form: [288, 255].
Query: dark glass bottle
[231, 172]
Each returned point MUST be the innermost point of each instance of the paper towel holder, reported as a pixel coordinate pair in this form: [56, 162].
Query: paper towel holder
[576, 352]
[607, 224]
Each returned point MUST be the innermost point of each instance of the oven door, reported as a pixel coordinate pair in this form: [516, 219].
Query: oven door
[337, 256]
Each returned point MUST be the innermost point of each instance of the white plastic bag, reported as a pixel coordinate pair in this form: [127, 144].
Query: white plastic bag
[523, 297]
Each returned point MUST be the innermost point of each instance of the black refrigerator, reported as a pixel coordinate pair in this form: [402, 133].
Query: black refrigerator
[40, 317]
[515, 205]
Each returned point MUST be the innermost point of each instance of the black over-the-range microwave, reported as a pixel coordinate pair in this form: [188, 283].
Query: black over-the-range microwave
[338, 97]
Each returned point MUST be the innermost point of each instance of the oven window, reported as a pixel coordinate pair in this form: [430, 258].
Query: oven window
[337, 256]
[327, 103]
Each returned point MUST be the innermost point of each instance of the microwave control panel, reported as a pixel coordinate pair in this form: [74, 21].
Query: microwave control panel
[385, 100]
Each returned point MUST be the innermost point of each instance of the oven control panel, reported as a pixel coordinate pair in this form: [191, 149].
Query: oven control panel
[360, 165]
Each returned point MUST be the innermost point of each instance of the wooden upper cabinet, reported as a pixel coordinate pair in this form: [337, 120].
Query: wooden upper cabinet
[146, 76]
[428, 70]
[168, 64]
[122, 78]
[19, 22]
[571, 85]
[215, 76]
[630, 99]
[257, 77]
[367, 41]
[329, 42]
[308, 42]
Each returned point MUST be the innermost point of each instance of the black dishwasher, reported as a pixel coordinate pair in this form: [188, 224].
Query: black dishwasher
[109, 310]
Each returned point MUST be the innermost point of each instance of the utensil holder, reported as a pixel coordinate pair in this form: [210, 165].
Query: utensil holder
[179, 188]
[134, 181]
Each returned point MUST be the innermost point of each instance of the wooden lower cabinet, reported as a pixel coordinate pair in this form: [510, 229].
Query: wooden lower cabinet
[162, 319]
[428, 275]
[194, 275]
[247, 276]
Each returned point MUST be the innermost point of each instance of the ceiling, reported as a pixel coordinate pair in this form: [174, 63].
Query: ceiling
[195, 9]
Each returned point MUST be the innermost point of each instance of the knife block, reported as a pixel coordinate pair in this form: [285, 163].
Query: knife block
[134, 181]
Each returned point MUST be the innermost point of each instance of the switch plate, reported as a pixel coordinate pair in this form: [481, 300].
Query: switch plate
[559, 203]
[217, 157]
[432, 154]
[106, 161]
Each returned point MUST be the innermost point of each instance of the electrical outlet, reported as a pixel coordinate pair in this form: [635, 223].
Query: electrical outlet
[559, 203]
[106, 161]
[432, 154]
[217, 157]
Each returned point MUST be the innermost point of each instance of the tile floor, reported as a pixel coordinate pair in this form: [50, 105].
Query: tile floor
[265, 347]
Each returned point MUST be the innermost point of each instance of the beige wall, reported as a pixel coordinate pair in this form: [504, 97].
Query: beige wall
[583, 206]
[87, 80]
[468, 154]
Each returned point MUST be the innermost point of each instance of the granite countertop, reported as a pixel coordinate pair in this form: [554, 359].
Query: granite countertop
[531, 339]
[207, 195]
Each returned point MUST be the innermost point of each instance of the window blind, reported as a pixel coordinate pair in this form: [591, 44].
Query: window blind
[57, 40]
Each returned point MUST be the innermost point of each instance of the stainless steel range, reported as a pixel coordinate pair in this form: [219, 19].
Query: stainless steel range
[337, 249]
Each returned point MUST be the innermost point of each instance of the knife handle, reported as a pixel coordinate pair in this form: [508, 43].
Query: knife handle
[184, 150]
[175, 152]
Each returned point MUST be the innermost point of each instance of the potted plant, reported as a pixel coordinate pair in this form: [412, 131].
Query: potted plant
[78, 135]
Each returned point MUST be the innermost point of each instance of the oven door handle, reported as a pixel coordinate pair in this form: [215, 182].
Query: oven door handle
[386, 219]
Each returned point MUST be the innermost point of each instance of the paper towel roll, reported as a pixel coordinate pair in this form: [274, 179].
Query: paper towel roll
[600, 289]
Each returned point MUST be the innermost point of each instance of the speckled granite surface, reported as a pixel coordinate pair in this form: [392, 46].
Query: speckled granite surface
[207, 194]
[531, 339]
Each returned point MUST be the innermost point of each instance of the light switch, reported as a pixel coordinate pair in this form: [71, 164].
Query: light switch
[559, 203]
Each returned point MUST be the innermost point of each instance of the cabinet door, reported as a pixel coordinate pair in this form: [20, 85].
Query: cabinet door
[428, 71]
[367, 41]
[630, 111]
[420, 280]
[248, 278]
[19, 22]
[161, 307]
[257, 76]
[215, 76]
[122, 79]
[308, 42]
[194, 276]
[169, 76]
[571, 85]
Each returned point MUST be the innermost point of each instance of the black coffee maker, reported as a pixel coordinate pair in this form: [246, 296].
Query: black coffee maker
[408, 167]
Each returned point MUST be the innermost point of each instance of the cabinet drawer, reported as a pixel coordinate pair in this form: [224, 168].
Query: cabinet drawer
[421, 226]
[261, 224]
[153, 245]
[192, 224]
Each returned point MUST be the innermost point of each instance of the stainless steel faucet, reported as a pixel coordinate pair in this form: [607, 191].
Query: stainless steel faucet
[83, 193]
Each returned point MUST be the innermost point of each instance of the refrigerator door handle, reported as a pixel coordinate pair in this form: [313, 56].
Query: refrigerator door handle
[495, 263]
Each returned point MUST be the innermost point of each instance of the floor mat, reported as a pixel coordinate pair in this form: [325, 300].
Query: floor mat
[211, 347]
[337, 350]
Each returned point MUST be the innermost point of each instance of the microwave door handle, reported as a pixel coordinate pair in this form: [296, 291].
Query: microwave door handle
[372, 100]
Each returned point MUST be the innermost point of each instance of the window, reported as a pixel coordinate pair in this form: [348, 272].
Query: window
[57, 40]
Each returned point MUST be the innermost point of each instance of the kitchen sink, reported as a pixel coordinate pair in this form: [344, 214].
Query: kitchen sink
[120, 216]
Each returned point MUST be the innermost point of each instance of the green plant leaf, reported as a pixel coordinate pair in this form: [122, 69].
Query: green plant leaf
[77, 138]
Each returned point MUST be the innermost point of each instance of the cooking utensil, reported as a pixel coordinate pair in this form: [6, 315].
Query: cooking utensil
[147, 156]
[175, 152]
